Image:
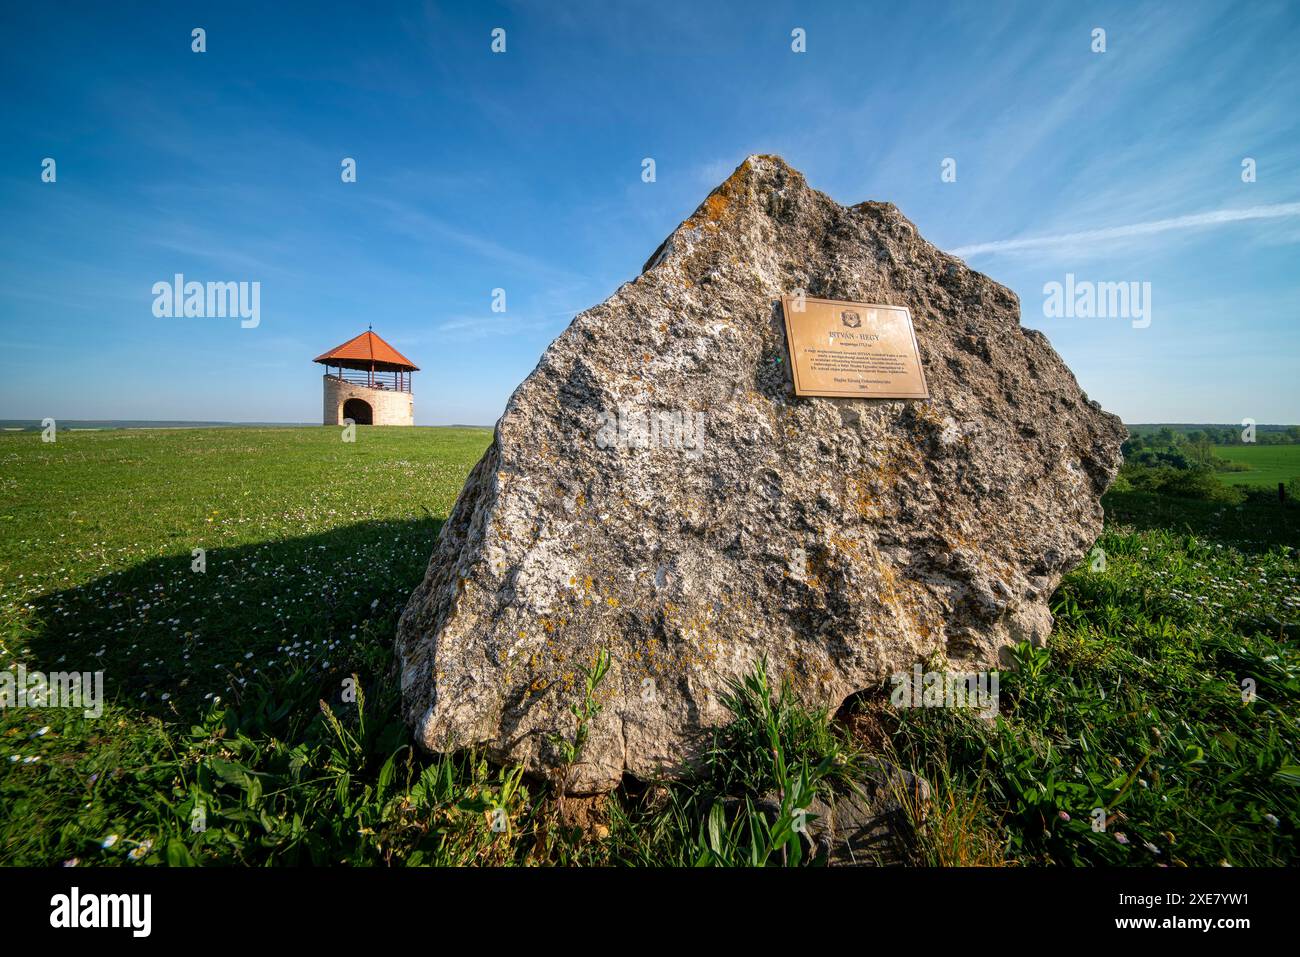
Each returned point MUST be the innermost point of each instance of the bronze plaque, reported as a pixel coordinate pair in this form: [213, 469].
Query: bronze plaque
[855, 350]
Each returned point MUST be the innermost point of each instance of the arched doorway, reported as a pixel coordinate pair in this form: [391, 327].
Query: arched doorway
[358, 410]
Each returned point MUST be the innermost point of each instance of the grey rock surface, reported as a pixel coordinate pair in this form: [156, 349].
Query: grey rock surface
[843, 539]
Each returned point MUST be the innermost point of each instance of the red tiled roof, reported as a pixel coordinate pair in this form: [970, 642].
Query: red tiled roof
[367, 348]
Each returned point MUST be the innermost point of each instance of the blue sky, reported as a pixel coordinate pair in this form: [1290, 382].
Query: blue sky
[522, 171]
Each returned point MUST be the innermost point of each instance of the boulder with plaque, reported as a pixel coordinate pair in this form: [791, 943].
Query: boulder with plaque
[802, 434]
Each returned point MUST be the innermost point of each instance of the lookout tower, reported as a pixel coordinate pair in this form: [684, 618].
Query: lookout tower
[369, 382]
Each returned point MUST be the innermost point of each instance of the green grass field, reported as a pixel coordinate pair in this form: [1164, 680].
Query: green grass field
[1269, 464]
[230, 737]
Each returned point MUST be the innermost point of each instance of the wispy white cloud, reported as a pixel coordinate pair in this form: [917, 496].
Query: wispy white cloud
[490, 324]
[426, 228]
[1216, 217]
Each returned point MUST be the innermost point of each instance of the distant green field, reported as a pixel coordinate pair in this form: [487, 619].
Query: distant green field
[1269, 464]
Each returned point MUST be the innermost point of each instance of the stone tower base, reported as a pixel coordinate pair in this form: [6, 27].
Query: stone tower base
[347, 400]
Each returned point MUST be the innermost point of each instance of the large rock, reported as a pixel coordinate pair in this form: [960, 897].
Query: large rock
[843, 539]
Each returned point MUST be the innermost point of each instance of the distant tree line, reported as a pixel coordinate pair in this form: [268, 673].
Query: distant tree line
[1212, 434]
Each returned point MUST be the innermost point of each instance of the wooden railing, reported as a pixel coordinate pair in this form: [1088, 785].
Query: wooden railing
[388, 381]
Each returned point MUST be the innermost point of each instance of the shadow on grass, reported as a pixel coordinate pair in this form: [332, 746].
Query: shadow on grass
[168, 638]
[266, 609]
[1257, 525]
